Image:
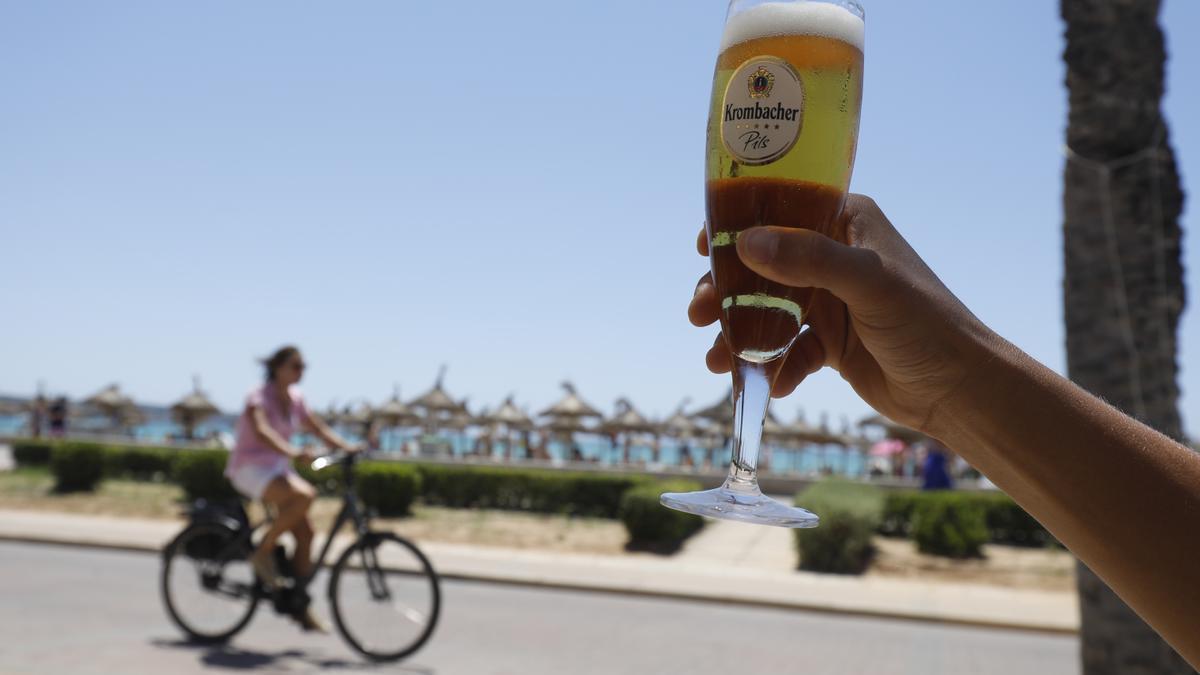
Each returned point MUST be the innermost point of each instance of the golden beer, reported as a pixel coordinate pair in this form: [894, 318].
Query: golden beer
[782, 134]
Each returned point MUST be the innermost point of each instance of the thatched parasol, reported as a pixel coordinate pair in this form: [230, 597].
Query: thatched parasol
[801, 432]
[571, 406]
[461, 417]
[513, 420]
[566, 417]
[436, 400]
[510, 416]
[359, 415]
[437, 407]
[627, 421]
[720, 413]
[772, 429]
[679, 424]
[193, 409]
[893, 429]
[109, 399]
[394, 413]
[114, 405]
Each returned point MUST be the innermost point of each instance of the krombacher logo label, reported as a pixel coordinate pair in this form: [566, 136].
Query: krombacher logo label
[759, 112]
[763, 110]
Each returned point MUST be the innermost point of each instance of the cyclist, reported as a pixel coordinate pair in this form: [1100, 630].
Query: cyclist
[260, 466]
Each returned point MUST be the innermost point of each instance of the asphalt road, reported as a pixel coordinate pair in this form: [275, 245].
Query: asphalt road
[68, 610]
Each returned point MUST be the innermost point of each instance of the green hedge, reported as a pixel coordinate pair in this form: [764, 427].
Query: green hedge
[140, 463]
[77, 467]
[1007, 523]
[950, 524]
[541, 491]
[850, 514]
[32, 452]
[898, 507]
[387, 488]
[652, 525]
[201, 473]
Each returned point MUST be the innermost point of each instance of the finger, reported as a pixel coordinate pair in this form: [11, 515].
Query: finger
[718, 358]
[803, 258]
[702, 242]
[806, 357]
[704, 309]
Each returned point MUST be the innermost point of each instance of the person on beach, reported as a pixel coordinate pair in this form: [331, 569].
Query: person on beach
[260, 465]
[934, 473]
[57, 416]
[1122, 497]
[37, 416]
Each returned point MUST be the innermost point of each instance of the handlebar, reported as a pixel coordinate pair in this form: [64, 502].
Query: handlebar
[333, 458]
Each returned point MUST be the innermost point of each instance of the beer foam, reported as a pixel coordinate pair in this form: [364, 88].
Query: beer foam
[774, 19]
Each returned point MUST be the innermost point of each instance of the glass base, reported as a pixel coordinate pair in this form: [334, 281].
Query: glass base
[745, 504]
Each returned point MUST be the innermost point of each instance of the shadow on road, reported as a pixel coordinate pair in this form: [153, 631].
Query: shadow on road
[236, 658]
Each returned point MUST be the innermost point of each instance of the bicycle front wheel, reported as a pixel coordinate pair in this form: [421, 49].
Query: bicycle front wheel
[208, 585]
[385, 597]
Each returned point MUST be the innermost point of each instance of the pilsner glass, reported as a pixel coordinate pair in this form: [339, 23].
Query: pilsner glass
[782, 133]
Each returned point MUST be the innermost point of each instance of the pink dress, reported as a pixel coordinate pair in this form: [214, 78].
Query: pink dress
[251, 451]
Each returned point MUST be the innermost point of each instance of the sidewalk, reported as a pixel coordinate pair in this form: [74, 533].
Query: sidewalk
[725, 563]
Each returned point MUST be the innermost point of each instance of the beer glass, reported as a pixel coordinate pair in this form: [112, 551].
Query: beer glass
[782, 133]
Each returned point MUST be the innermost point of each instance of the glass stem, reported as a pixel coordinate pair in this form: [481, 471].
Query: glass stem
[751, 396]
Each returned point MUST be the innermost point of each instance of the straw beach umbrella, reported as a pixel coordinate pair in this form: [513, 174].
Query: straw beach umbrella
[436, 405]
[892, 429]
[566, 417]
[679, 424]
[719, 417]
[112, 403]
[627, 421]
[681, 427]
[193, 409]
[512, 420]
[511, 416]
[394, 413]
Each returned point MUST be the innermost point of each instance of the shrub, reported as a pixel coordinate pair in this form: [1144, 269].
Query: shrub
[540, 491]
[898, 507]
[32, 452]
[652, 525]
[1007, 523]
[77, 467]
[850, 514]
[139, 463]
[950, 524]
[201, 473]
[388, 488]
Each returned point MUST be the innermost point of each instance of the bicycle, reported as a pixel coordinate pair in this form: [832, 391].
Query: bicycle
[402, 598]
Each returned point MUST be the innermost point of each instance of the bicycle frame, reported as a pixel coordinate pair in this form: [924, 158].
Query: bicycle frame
[350, 512]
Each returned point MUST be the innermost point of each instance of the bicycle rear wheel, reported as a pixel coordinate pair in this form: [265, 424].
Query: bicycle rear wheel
[208, 584]
[385, 597]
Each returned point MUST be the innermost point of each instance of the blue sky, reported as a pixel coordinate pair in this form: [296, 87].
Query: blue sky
[509, 188]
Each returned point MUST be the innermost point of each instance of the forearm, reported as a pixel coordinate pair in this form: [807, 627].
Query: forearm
[327, 435]
[1124, 498]
[276, 442]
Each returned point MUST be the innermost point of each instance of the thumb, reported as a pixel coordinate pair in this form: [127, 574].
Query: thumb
[807, 259]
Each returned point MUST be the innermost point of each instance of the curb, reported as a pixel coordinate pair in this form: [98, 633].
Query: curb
[631, 592]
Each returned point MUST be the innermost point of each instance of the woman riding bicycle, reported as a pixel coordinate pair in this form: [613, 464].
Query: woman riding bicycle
[260, 466]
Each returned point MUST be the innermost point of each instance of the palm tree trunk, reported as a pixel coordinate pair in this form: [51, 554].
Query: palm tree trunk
[1123, 287]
